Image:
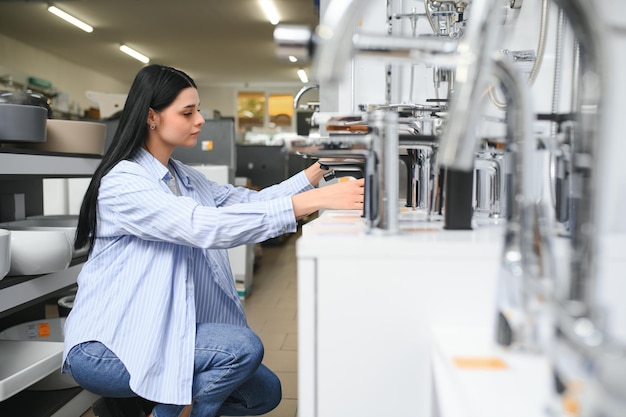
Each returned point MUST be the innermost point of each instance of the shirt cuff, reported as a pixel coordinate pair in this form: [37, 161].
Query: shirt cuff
[282, 216]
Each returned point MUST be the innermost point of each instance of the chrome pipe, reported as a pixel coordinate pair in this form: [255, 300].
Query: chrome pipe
[293, 40]
[385, 140]
[474, 66]
[334, 35]
[427, 50]
[585, 25]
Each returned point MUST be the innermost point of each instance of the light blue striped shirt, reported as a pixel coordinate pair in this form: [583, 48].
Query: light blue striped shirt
[160, 265]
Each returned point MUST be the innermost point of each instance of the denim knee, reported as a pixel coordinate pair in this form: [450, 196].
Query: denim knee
[251, 345]
[240, 341]
[97, 369]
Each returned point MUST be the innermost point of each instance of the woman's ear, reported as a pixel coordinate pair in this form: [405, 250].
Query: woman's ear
[152, 117]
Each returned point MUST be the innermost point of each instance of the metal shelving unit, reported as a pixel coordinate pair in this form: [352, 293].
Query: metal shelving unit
[24, 363]
[27, 162]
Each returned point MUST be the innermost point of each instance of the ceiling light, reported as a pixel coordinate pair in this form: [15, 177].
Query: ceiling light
[293, 58]
[270, 11]
[130, 51]
[303, 77]
[70, 19]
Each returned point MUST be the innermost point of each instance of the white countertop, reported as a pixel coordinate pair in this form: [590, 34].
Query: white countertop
[344, 233]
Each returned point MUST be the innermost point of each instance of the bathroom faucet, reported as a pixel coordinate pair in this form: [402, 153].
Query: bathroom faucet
[593, 355]
[528, 270]
[303, 90]
[473, 69]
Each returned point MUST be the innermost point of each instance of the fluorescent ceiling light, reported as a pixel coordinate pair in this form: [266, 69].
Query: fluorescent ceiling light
[130, 51]
[303, 77]
[70, 19]
[293, 58]
[270, 11]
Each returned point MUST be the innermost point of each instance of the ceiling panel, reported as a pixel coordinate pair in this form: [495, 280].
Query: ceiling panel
[217, 41]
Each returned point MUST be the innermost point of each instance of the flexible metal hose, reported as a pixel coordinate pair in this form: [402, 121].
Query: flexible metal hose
[541, 46]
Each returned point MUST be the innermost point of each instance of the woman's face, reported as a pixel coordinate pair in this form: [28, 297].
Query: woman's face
[180, 123]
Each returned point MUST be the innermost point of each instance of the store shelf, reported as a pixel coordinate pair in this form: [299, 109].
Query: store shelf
[27, 289]
[26, 162]
[22, 363]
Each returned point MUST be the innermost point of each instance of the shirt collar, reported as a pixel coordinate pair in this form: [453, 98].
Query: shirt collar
[148, 161]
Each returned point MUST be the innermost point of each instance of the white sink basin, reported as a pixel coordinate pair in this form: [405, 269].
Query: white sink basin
[35, 252]
[5, 252]
[64, 223]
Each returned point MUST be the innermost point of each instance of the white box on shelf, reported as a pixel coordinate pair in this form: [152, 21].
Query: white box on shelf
[242, 263]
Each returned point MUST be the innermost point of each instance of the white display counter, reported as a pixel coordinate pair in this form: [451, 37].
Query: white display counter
[367, 305]
[472, 377]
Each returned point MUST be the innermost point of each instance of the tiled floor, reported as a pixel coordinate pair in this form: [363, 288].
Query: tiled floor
[271, 308]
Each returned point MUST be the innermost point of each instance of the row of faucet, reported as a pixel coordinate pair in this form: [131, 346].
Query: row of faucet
[529, 301]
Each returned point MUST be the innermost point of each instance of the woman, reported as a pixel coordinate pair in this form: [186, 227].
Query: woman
[157, 315]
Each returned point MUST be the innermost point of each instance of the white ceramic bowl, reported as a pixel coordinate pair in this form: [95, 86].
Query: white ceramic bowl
[35, 252]
[64, 223]
[5, 252]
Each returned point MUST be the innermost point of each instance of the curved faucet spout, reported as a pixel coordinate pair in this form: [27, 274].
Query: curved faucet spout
[528, 267]
[303, 90]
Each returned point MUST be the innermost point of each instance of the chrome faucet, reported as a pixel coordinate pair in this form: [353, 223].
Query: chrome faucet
[474, 66]
[335, 43]
[303, 90]
[589, 352]
[528, 270]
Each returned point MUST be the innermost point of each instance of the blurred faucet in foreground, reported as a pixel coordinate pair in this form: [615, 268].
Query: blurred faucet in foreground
[528, 270]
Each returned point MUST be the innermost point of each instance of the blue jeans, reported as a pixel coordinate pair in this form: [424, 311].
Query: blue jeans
[221, 385]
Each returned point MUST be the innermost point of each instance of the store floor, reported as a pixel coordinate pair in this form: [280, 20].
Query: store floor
[271, 308]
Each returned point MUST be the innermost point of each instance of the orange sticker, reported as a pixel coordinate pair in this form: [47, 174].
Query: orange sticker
[44, 329]
[571, 405]
[479, 363]
[419, 229]
[207, 145]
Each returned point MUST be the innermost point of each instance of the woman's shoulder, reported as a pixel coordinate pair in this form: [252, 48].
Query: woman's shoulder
[130, 170]
[129, 166]
[141, 162]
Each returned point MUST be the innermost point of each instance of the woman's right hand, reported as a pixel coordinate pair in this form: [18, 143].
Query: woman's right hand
[346, 195]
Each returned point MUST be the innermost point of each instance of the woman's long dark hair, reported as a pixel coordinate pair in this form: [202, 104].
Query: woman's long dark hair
[155, 87]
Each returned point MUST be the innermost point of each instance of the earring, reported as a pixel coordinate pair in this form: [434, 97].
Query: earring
[152, 126]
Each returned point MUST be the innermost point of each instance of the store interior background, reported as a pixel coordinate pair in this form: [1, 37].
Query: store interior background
[226, 48]
[446, 305]
[272, 311]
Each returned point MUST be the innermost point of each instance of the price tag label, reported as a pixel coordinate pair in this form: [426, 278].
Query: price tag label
[44, 329]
